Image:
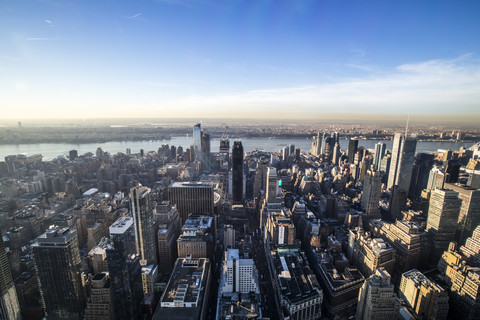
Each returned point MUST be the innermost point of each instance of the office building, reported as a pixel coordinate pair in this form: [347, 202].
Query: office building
[99, 305]
[442, 221]
[436, 179]
[426, 298]
[240, 274]
[352, 150]
[272, 184]
[378, 156]
[197, 141]
[57, 260]
[408, 239]
[279, 229]
[142, 212]
[377, 300]
[372, 190]
[297, 288]
[237, 173]
[124, 269]
[197, 239]
[420, 174]
[168, 221]
[471, 249]
[369, 254]
[9, 305]
[337, 153]
[469, 217]
[401, 166]
[187, 292]
[463, 281]
[205, 149]
[191, 197]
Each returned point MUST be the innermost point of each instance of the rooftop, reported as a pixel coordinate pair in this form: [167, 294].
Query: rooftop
[121, 225]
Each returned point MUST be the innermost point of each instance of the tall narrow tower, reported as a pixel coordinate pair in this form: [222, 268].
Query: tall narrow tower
[197, 141]
[237, 172]
[9, 307]
[401, 166]
[142, 212]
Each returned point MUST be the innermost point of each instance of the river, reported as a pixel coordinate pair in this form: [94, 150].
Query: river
[50, 151]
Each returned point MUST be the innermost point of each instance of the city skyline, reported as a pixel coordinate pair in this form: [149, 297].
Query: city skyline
[172, 58]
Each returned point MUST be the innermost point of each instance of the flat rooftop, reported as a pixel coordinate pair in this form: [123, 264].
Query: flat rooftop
[121, 225]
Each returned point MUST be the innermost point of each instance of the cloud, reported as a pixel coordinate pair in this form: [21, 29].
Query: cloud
[39, 39]
[442, 86]
[185, 3]
[49, 22]
[135, 16]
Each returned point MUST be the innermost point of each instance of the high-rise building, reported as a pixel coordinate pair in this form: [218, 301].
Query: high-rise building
[168, 221]
[237, 172]
[280, 229]
[401, 166]
[410, 242]
[368, 254]
[427, 299]
[372, 189]
[124, 269]
[329, 145]
[229, 236]
[142, 212]
[464, 283]
[376, 299]
[9, 306]
[436, 179]
[197, 141]
[149, 276]
[205, 149]
[471, 249]
[469, 217]
[187, 292]
[442, 220]
[57, 259]
[99, 305]
[240, 274]
[191, 197]
[272, 184]
[379, 153]
[352, 150]
[420, 172]
[336, 154]
[224, 147]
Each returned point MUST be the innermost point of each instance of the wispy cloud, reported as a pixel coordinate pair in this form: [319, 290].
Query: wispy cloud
[444, 86]
[39, 39]
[136, 15]
[49, 22]
[185, 3]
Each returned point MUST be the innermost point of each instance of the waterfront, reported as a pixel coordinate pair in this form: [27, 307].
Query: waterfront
[50, 151]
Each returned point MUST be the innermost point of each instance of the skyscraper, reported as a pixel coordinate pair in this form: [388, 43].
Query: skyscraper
[352, 149]
[123, 269]
[420, 172]
[237, 172]
[427, 299]
[191, 197]
[197, 141]
[271, 184]
[379, 153]
[442, 220]
[376, 299]
[142, 212]
[206, 163]
[401, 166]
[9, 307]
[57, 259]
[372, 188]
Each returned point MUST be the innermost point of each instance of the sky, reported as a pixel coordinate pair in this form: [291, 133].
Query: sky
[239, 59]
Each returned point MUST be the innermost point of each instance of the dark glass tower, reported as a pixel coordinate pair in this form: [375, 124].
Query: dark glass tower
[57, 259]
[420, 172]
[352, 150]
[9, 308]
[237, 172]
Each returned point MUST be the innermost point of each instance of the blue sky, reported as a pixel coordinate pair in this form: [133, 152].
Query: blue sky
[285, 59]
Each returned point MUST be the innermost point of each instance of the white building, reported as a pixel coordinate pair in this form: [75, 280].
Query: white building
[240, 274]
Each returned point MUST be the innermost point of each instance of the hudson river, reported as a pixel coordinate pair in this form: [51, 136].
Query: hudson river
[53, 150]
